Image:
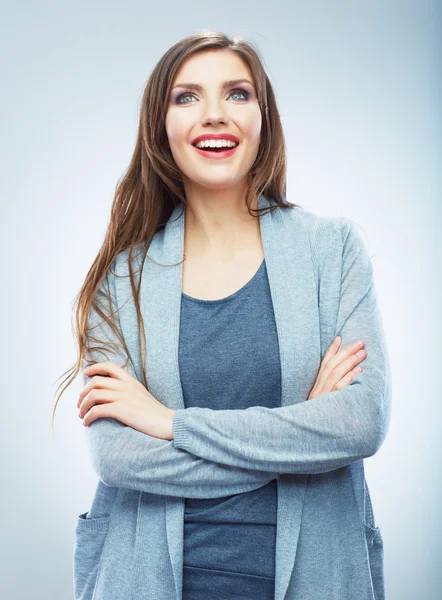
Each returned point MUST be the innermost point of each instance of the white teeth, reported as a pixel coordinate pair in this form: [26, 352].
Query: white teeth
[216, 144]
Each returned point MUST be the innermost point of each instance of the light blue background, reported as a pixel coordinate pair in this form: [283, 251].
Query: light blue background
[358, 87]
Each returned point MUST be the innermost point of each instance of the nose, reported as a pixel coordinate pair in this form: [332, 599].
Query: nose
[214, 113]
[210, 119]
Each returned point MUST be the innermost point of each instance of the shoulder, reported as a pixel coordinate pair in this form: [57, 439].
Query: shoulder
[120, 264]
[117, 278]
[327, 234]
[321, 227]
[334, 240]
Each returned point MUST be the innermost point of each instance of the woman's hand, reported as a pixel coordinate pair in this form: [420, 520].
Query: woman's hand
[338, 368]
[120, 396]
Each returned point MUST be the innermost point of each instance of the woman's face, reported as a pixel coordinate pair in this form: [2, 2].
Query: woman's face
[213, 108]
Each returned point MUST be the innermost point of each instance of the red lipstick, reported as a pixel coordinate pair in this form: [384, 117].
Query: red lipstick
[215, 153]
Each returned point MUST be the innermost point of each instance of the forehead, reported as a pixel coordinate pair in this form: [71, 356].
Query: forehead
[212, 67]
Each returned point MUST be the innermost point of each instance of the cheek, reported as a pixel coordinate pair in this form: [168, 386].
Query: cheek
[251, 127]
[175, 129]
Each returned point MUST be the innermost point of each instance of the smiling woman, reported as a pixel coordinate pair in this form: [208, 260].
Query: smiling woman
[228, 435]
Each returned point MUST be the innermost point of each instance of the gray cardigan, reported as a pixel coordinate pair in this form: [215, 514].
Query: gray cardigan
[328, 546]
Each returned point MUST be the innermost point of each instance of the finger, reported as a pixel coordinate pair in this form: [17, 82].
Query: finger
[107, 368]
[333, 348]
[346, 354]
[343, 382]
[97, 396]
[348, 364]
[329, 361]
[97, 382]
[99, 411]
[331, 351]
[348, 378]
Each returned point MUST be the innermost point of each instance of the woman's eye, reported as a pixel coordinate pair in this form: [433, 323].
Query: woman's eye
[185, 95]
[243, 92]
[189, 94]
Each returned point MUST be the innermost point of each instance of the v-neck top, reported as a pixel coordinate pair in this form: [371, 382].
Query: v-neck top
[229, 359]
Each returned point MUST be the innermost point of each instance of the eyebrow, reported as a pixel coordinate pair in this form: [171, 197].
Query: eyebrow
[225, 84]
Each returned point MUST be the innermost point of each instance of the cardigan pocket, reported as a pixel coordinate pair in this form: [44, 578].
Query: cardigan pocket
[375, 547]
[90, 537]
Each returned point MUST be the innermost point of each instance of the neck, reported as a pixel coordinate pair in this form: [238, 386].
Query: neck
[220, 227]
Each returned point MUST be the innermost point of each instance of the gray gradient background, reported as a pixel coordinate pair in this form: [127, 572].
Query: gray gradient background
[358, 87]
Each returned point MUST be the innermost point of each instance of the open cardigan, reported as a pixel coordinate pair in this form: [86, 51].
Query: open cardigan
[328, 545]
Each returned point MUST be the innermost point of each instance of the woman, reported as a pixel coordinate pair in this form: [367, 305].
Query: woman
[229, 434]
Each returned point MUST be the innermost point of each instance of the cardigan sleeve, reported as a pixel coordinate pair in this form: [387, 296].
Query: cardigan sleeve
[125, 457]
[329, 431]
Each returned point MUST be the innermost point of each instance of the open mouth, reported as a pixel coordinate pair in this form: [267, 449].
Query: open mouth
[222, 152]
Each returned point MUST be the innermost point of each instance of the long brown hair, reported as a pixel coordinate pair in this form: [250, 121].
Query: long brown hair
[152, 186]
